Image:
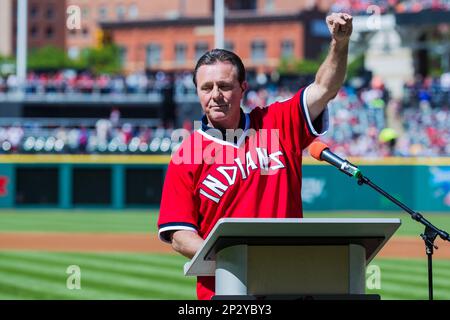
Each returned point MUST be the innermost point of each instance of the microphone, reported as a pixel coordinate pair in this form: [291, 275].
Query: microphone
[321, 152]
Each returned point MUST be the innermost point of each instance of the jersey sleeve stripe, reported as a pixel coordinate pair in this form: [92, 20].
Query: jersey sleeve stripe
[164, 229]
[305, 110]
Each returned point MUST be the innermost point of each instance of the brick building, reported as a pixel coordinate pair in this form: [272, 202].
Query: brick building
[172, 34]
[46, 23]
[6, 27]
[47, 20]
[262, 32]
[94, 12]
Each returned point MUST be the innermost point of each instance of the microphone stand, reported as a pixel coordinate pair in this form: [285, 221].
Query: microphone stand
[428, 236]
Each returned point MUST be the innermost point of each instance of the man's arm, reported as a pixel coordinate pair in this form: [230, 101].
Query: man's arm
[186, 242]
[331, 74]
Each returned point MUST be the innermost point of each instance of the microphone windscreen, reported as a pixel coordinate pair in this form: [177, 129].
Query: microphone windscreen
[316, 148]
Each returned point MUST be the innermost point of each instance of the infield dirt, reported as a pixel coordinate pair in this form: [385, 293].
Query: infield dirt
[397, 247]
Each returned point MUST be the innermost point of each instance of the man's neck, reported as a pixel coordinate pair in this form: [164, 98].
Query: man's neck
[207, 125]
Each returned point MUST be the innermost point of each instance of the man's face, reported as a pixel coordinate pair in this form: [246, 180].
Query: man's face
[220, 94]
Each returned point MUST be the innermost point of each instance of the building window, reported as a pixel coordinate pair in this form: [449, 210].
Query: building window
[103, 13]
[258, 51]
[153, 55]
[50, 12]
[240, 4]
[49, 32]
[200, 49]
[34, 31]
[34, 11]
[180, 53]
[133, 11]
[122, 55]
[121, 12]
[287, 49]
[229, 46]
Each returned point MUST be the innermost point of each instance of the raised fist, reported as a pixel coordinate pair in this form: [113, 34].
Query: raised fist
[340, 26]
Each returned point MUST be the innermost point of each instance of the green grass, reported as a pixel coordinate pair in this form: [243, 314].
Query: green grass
[56, 220]
[144, 221]
[407, 279]
[42, 275]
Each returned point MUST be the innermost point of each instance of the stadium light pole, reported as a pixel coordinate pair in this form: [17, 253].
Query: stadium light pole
[219, 23]
[21, 44]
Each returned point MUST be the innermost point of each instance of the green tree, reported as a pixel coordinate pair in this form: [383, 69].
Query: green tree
[7, 65]
[104, 59]
[46, 58]
[355, 66]
[297, 66]
[6, 59]
[308, 67]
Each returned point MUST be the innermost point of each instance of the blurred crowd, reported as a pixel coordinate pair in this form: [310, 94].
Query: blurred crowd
[104, 138]
[364, 121]
[389, 6]
[427, 92]
[70, 81]
[369, 123]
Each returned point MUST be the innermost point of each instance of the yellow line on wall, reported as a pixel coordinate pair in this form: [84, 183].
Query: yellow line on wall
[84, 159]
[164, 159]
[389, 161]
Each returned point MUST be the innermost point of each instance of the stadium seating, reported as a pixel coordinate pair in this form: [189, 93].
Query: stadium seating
[358, 117]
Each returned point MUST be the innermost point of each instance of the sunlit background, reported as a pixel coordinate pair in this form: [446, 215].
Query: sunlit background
[91, 92]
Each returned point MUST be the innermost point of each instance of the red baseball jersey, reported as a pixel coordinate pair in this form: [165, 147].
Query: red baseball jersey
[258, 176]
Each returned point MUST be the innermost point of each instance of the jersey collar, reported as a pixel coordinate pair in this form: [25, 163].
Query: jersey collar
[212, 133]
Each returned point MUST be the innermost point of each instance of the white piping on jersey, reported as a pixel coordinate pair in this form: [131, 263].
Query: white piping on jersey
[170, 228]
[226, 143]
[308, 118]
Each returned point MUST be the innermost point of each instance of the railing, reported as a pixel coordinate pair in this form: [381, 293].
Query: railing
[73, 122]
[95, 97]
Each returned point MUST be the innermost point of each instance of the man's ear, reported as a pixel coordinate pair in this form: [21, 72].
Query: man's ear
[244, 86]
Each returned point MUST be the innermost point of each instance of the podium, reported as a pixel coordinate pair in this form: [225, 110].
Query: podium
[292, 257]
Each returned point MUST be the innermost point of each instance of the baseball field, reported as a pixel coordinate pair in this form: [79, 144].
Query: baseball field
[116, 255]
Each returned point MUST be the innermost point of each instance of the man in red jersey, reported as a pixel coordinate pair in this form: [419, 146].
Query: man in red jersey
[245, 165]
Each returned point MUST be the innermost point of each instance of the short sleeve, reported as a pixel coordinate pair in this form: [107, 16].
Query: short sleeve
[178, 207]
[291, 118]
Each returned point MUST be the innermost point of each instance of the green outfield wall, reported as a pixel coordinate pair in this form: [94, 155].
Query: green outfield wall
[421, 187]
[110, 181]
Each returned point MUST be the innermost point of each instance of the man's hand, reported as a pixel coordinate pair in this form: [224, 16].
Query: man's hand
[340, 26]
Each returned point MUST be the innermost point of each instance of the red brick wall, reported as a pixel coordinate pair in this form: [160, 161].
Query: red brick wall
[40, 23]
[290, 6]
[151, 9]
[147, 9]
[242, 35]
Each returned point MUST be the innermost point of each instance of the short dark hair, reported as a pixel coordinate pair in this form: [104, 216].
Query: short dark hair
[221, 55]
